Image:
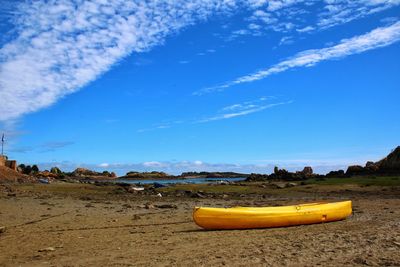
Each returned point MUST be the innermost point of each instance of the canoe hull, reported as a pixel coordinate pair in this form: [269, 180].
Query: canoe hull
[248, 217]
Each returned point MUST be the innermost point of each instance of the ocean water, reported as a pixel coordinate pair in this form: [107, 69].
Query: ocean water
[182, 181]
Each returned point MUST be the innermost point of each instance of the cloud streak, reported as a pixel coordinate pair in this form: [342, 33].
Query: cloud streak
[246, 108]
[61, 46]
[228, 112]
[379, 37]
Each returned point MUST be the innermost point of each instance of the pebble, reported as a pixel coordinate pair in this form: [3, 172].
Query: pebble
[47, 249]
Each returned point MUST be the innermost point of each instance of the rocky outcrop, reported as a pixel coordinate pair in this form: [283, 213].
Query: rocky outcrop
[154, 175]
[307, 171]
[89, 174]
[254, 177]
[355, 170]
[9, 175]
[338, 174]
[391, 163]
[284, 175]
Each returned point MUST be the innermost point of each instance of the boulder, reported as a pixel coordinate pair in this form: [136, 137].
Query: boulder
[355, 170]
[307, 171]
[339, 173]
[391, 163]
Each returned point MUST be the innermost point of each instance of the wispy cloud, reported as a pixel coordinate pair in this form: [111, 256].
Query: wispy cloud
[228, 112]
[340, 12]
[58, 47]
[61, 46]
[52, 146]
[243, 109]
[377, 38]
[294, 17]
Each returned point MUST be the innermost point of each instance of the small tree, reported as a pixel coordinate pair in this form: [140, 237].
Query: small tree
[27, 169]
[276, 170]
[35, 169]
[55, 170]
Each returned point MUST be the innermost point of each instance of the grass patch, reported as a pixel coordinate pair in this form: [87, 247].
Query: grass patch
[220, 189]
[361, 180]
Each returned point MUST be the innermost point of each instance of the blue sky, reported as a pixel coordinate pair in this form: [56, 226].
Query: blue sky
[199, 85]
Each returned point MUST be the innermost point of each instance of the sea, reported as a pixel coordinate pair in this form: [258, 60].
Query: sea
[183, 181]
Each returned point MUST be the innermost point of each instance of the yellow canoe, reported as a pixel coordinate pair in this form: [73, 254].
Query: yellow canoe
[264, 217]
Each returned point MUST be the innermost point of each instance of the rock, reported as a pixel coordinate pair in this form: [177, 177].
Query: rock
[133, 188]
[149, 206]
[48, 249]
[280, 185]
[159, 195]
[159, 185]
[339, 173]
[307, 171]
[11, 194]
[197, 195]
[355, 170]
[225, 196]
[291, 184]
[391, 163]
[361, 261]
[2, 229]
[166, 206]
[257, 177]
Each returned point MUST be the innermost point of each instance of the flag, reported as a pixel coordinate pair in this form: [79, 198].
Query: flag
[2, 138]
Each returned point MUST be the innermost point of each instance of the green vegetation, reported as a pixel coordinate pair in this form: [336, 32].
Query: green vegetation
[28, 169]
[218, 189]
[154, 175]
[361, 180]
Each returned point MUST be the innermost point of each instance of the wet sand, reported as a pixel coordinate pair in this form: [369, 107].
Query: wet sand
[93, 226]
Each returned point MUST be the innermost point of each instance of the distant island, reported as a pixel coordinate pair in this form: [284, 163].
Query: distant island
[154, 175]
[9, 171]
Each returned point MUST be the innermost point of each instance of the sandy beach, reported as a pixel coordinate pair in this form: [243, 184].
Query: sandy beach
[87, 225]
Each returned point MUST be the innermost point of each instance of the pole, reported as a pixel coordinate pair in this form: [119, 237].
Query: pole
[2, 145]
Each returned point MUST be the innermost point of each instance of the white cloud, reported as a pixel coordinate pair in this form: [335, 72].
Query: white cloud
[344, 11]
[228, 112]
[58, 47]
[306, 29]
[154, 164]
[61, 46]
[286, 40]
[377, 38]
[104, 165]
[177, 167]
[296, 16]
[243, 109]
